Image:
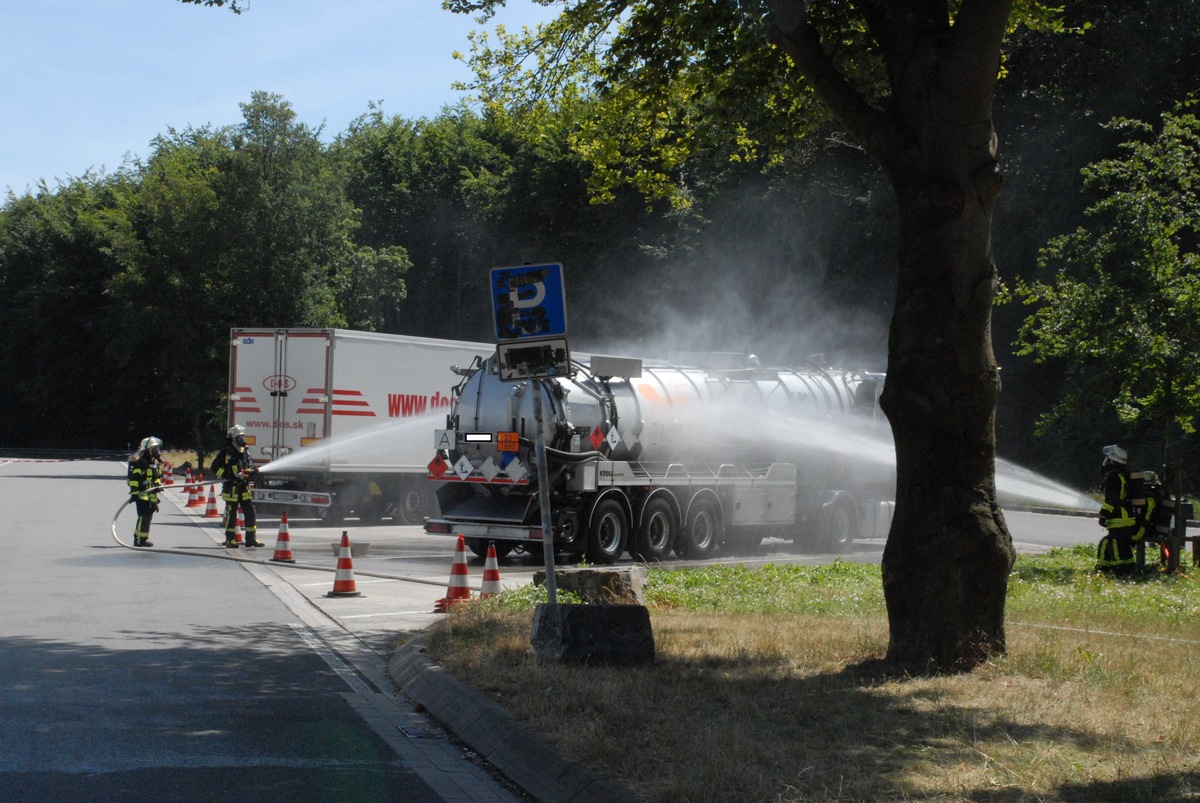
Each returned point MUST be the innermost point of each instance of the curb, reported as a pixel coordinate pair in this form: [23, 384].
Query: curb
[524, 757]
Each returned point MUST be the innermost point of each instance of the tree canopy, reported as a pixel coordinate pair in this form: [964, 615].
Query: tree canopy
[1122, 311]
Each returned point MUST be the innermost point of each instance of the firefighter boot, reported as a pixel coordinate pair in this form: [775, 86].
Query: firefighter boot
[142, 540]
[230, 541]
[252, 539]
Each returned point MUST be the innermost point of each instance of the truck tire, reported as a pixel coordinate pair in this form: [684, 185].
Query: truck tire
[837, 533]
[413, 501]
[568, 537]
[702, 533]
[608, 533]
[655, 538]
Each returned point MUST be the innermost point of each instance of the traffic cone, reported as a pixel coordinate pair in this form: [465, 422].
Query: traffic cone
[491, 575]
[211, 511]
[457, 591]
[239, 524]
[283, 543]
[193, 497]
[343, 579]
[168, 474]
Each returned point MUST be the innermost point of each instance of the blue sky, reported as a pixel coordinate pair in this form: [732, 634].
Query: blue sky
[87, 82]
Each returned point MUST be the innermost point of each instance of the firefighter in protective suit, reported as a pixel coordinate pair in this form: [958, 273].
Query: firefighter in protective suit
[145, 476]
[1115, 552]
[232, 465]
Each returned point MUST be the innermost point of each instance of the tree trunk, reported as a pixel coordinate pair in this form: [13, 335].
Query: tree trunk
[949, 553]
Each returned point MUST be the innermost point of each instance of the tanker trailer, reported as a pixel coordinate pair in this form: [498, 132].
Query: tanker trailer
[661, 458]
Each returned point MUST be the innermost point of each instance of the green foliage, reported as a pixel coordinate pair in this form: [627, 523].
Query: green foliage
[1122, 312]
[1058, 587]
[236, 6]
[1063, 587]
[526, 597]
[57, 250]
[839, 588]
[676, 82]
[243, 226]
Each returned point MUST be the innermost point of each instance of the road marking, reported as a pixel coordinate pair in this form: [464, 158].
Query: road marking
[344, 670]
[390, 613]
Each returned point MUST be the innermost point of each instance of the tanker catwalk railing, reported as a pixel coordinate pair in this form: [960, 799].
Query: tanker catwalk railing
[701, 472]
[238, 557]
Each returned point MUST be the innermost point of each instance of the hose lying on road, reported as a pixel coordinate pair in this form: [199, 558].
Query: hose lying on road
[241, 556]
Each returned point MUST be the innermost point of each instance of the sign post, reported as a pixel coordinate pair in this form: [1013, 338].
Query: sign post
[531, 323]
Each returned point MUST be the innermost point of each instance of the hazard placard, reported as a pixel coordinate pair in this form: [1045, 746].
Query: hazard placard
[508, 441]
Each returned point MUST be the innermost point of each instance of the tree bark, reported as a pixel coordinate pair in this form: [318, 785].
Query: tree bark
[948, 555]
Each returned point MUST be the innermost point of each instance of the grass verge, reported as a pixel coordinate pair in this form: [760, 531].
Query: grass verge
[769, 685]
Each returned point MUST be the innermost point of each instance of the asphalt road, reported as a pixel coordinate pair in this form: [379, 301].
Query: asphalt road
[140, 675]
[205, 674]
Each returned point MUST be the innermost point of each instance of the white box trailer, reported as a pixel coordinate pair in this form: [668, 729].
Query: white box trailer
[344, 417]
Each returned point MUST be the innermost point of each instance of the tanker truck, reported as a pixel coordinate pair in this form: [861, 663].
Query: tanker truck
[665, 458]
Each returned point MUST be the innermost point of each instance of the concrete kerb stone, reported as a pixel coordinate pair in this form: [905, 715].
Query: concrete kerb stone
[524, 757]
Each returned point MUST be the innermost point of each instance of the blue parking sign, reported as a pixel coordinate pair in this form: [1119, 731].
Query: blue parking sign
[529, 301]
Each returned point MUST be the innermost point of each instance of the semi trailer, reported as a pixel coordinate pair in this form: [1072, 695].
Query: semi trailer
[342, 417]
[665, 458]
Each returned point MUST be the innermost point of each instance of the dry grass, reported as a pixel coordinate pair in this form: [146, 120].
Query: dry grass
[759, 706]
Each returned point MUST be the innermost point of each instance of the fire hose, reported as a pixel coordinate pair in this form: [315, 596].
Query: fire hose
[239, 558]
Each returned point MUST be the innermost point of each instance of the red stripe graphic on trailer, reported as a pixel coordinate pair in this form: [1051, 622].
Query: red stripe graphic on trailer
[351, 399]
[313, 398]
[248, 404]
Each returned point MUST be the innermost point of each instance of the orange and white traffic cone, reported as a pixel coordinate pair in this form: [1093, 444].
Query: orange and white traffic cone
[211, 511]
[491, 575]
[238, 527]
[194, 499]
[458, 590]
[343, 579]
[168, 474]
[283, 543]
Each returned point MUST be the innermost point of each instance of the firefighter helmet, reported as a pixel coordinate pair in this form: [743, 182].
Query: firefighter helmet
[1115, 454]
[151, 446]
[237, 435]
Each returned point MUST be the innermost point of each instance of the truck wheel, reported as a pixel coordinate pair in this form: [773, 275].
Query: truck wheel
[412, 502]
[568, 537]
[702, 533]
[839, 527]
[608, 533]
[655, 538]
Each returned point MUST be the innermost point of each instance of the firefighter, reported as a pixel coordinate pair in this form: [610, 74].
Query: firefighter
[145, 478]
[1115, 552]
[232, 465]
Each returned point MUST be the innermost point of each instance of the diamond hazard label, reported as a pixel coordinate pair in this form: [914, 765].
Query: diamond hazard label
[463, 468]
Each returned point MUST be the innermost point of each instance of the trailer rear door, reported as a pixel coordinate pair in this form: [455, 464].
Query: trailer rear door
[279, 388]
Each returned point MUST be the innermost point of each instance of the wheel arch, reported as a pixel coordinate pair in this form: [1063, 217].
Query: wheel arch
[658, 493]
[610, 493]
